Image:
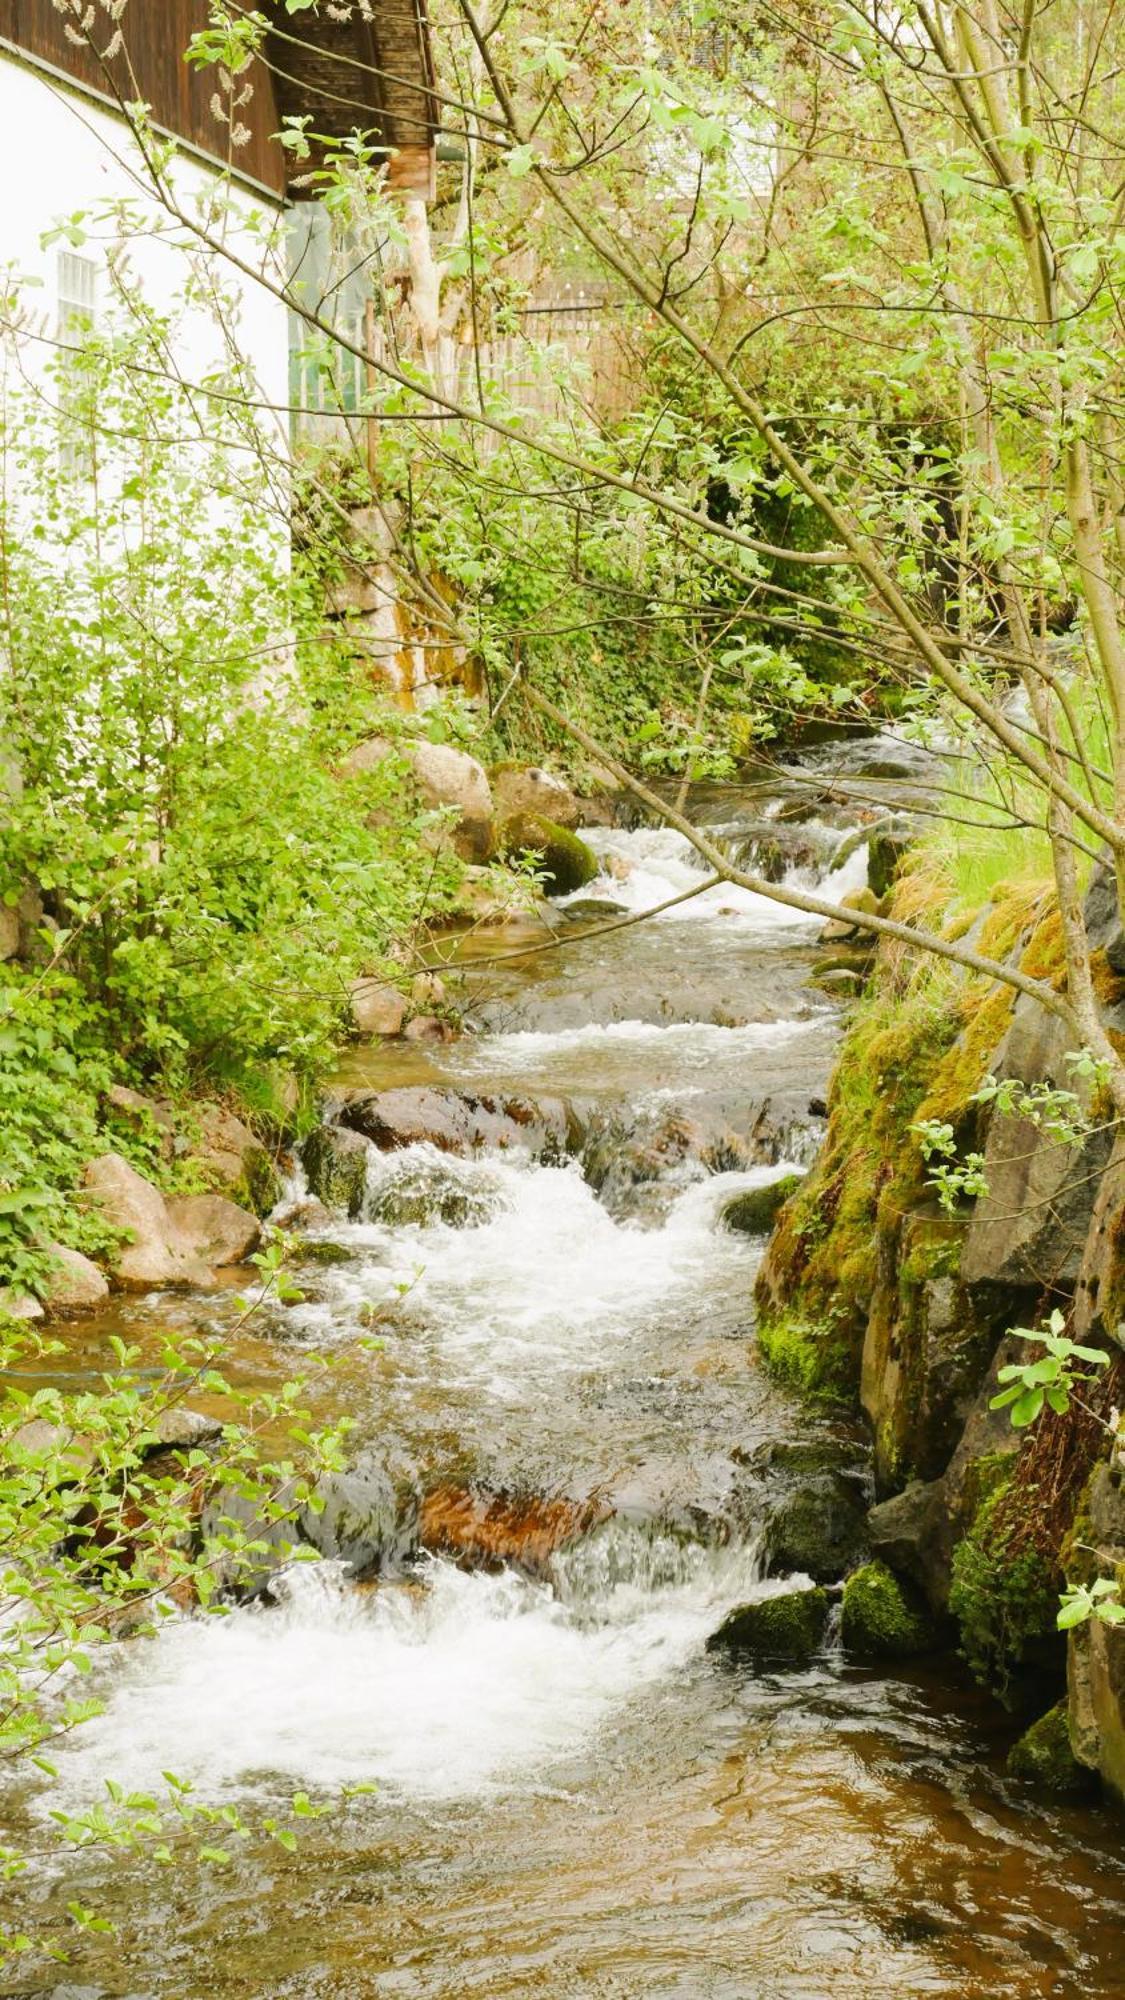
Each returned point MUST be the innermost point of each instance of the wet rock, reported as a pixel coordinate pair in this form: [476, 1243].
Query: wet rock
[517, 789]
[377, 1008]
[356, 1517]
[230, 1522]
[882, 1618]
[786, 1628]
[487, 1530]
[74, 1283]
[565, 861]
[424, 1195]
[916, 1531]
[181, 1429]
[335, 1162]
[457, 1122]
[864, 902]
[752, 1212]
[594, 909]
[213, 1228]
[1043, 1757]
[818, 1527]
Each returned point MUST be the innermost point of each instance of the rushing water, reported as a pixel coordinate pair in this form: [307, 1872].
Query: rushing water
[574, 1797]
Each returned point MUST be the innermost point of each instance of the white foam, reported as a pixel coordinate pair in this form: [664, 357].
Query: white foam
[654, 864]
[549, 1284]
[472, 1684]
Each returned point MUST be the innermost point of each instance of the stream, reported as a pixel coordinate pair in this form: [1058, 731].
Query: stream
[574, 1797]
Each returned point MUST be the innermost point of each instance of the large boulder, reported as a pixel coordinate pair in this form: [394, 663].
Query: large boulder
[882, 1618]
[564, 861]
[216, 1229]
[519, 789]
[752, 1212]
[1030, 1227]
[377, 1008]
[166, 1243]
[445, 778]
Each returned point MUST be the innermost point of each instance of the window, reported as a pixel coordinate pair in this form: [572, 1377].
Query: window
[78, 312]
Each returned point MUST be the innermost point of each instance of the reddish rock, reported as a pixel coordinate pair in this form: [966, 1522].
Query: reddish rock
[485, 1530]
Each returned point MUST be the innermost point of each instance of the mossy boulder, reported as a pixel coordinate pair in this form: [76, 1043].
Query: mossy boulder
[787, 1627]
[562, 857]
[882, 1618]
[1044, 1756]
[814, 1361]
[818, 1527]
[335, 1162]
[1005, 1600]
[752, 1212]
[422, 1196]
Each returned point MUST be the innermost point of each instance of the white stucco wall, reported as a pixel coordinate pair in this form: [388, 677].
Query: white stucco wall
[66, 154]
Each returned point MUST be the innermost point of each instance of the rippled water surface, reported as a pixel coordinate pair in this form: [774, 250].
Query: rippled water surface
[574, 1797]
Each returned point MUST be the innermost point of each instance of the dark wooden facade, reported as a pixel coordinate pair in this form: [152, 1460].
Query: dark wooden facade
[372, 72]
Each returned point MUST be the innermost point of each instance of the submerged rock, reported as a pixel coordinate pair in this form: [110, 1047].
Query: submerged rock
[752, 1212]
[883, 1619]
[564, 860]
[425, 1194]
[457, 1122]
[788, 1626]
[1044, 1756]
[485, 1530]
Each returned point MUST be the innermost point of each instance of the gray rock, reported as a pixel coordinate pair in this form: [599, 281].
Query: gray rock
[1030, 1228]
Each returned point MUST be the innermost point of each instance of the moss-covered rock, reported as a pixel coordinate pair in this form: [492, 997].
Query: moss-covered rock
[335, 1162]
[752, 1212]
[1006, 1603]
[882, 1618]
[818, 1527]
[563, 858]
[787, 1627]
[260, 1187]
[1043, 1756]
[816, 1362]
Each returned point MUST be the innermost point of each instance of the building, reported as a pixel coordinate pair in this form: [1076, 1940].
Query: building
[68, 69]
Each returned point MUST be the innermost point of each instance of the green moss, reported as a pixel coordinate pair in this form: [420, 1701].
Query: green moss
[815, 1362]
[260, 1185]
[563, 858]
[752, 1213]
[882, 1619]
[1005, 1602]
[789, 1626]
[1044, 1757]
